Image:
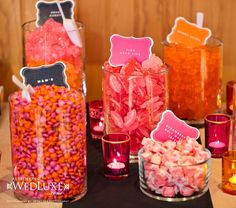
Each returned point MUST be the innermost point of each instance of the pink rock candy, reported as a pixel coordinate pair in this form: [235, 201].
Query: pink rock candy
[134, 98]
[57, 44]
[174, 167]
[50, 43]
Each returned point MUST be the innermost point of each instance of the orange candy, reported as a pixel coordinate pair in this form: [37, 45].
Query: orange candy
[194, 80]
[45, 146]
[73, 72]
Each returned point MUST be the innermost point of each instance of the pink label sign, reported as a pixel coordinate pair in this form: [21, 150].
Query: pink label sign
[172, 128]
[124, 48]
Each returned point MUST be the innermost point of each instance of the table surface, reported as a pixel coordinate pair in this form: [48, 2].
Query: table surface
[7, 200]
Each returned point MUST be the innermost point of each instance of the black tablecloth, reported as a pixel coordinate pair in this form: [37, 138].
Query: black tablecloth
[125, 193]
[104, 193]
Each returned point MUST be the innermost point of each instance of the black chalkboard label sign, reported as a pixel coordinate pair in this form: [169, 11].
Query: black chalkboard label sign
[45, 75]
[47, 10]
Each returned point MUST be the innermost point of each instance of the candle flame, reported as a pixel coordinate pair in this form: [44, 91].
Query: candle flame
[233, 166]
[233, 179]
[118, 154]
[100, 124]
[115, 161]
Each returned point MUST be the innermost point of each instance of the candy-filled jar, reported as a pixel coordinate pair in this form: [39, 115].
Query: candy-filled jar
[50, 43]
[134, 97]
[194, 79]
[48, 139]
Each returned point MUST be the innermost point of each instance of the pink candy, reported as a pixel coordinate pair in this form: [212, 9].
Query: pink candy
[50, 43]
[174, 168]
[134, 98]
[52, 39]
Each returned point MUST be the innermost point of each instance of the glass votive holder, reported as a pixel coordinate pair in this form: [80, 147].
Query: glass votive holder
[230, 96]
[217, 133]
[96, 119]
[229, 172]
[116, 149]
[173, 182]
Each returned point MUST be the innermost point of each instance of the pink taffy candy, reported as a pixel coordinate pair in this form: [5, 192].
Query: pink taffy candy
[175, 167]
[156, 159]
[153, 63]
[147, 141]
[176, 172]
[186, 191]
[147, 156]
[168, 191]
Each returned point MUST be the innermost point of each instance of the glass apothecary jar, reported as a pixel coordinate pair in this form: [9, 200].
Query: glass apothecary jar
[194, 80]
[48, 140]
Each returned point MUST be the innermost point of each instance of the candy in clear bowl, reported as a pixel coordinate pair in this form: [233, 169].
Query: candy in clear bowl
[173, 171]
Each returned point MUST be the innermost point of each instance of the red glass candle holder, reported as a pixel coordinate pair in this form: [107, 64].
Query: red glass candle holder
[230, 96]
[217, 133]
[229, 172]
[96, 119]
[116, 149]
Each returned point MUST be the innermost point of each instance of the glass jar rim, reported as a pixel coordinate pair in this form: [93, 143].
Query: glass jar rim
[19, 90]
[228, 118]
[79, 24]
[226, 155]
[116, 142]
[219, 43]
[174, 166]
[165, 70]
[231, 83]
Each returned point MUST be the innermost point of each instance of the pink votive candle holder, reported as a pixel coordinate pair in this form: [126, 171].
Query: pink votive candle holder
[217, 133]
[96, 119]
[116, 149]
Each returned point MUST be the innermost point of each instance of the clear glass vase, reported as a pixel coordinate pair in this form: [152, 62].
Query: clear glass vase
[48, 140]
[133, 104]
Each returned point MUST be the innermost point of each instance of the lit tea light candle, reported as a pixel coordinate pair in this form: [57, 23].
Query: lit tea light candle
[116, 165]
[96, 119]
[115, 149]
[232, 179]
[99, 127]
[229, 172]
[217, 144]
